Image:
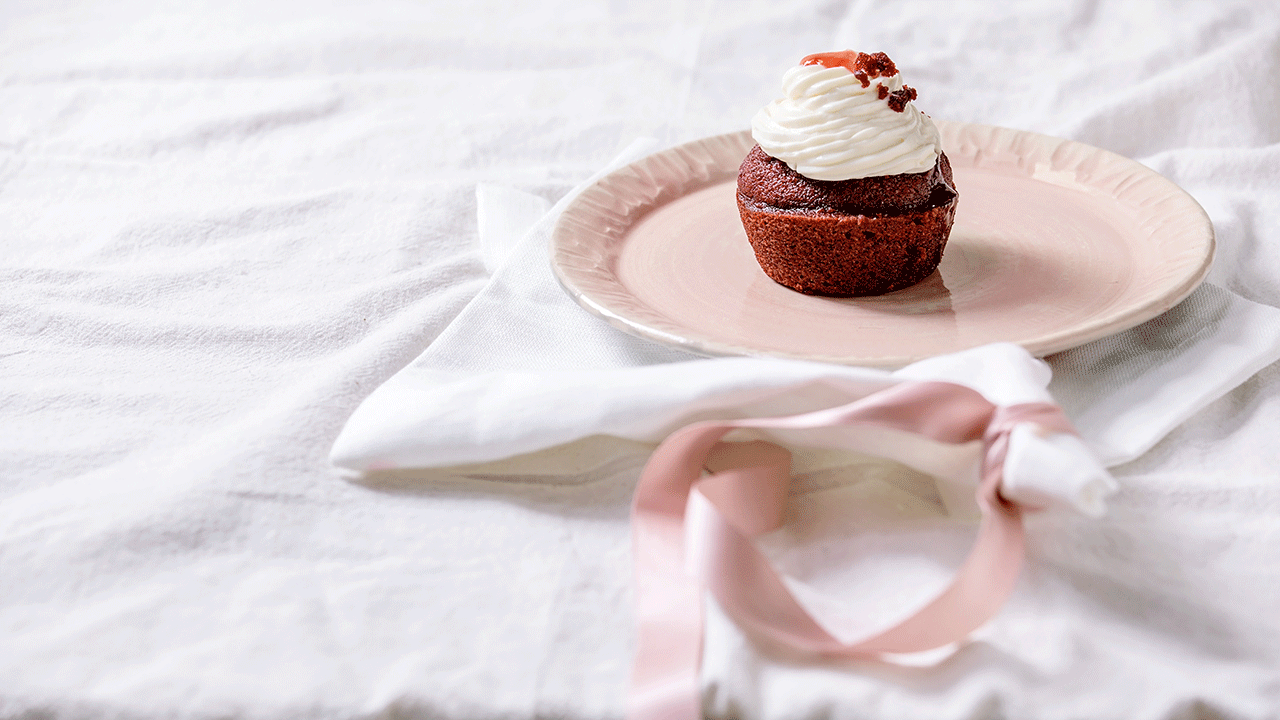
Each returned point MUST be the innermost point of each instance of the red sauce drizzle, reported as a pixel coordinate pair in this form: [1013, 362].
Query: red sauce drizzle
[865, 67]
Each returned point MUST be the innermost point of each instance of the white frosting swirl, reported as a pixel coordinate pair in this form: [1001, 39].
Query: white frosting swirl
[828, 127]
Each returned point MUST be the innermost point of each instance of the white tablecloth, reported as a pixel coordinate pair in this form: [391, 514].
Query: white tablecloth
[222, 225]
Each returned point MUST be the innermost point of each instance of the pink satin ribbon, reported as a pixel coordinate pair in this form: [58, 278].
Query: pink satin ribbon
[745, 495]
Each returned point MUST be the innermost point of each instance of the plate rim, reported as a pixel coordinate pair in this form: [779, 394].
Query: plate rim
[700, 163]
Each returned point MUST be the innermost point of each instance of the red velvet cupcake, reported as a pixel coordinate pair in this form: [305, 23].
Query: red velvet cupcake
[848, 192]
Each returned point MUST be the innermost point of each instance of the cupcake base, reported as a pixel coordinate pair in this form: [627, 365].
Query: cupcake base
[847, 255]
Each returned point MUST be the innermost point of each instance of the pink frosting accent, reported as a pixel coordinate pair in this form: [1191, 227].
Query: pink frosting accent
[744, 496]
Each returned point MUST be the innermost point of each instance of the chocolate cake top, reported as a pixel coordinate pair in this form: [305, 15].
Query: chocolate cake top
[769, 183]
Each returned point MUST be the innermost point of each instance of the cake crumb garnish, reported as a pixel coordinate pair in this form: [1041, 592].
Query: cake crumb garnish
[898, 100]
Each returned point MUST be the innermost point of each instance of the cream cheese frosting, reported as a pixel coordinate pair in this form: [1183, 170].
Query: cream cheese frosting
[838, 123]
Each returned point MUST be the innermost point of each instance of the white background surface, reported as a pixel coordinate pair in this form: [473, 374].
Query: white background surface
[222, 225]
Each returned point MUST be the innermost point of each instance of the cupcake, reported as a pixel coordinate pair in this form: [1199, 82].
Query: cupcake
[847, 191]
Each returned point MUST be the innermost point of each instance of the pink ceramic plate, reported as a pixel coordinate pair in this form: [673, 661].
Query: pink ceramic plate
[1055, 244]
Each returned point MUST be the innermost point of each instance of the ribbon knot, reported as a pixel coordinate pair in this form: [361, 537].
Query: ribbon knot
[691, 533]
[995, 442]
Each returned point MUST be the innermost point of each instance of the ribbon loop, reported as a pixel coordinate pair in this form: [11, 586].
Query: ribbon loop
[677, 511]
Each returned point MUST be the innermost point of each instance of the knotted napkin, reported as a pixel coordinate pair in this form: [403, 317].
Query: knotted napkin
[524, 369]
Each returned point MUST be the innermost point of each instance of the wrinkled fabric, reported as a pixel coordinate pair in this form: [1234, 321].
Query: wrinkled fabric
[223, 225]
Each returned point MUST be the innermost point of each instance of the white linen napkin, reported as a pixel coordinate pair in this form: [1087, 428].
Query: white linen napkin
[523, 368]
